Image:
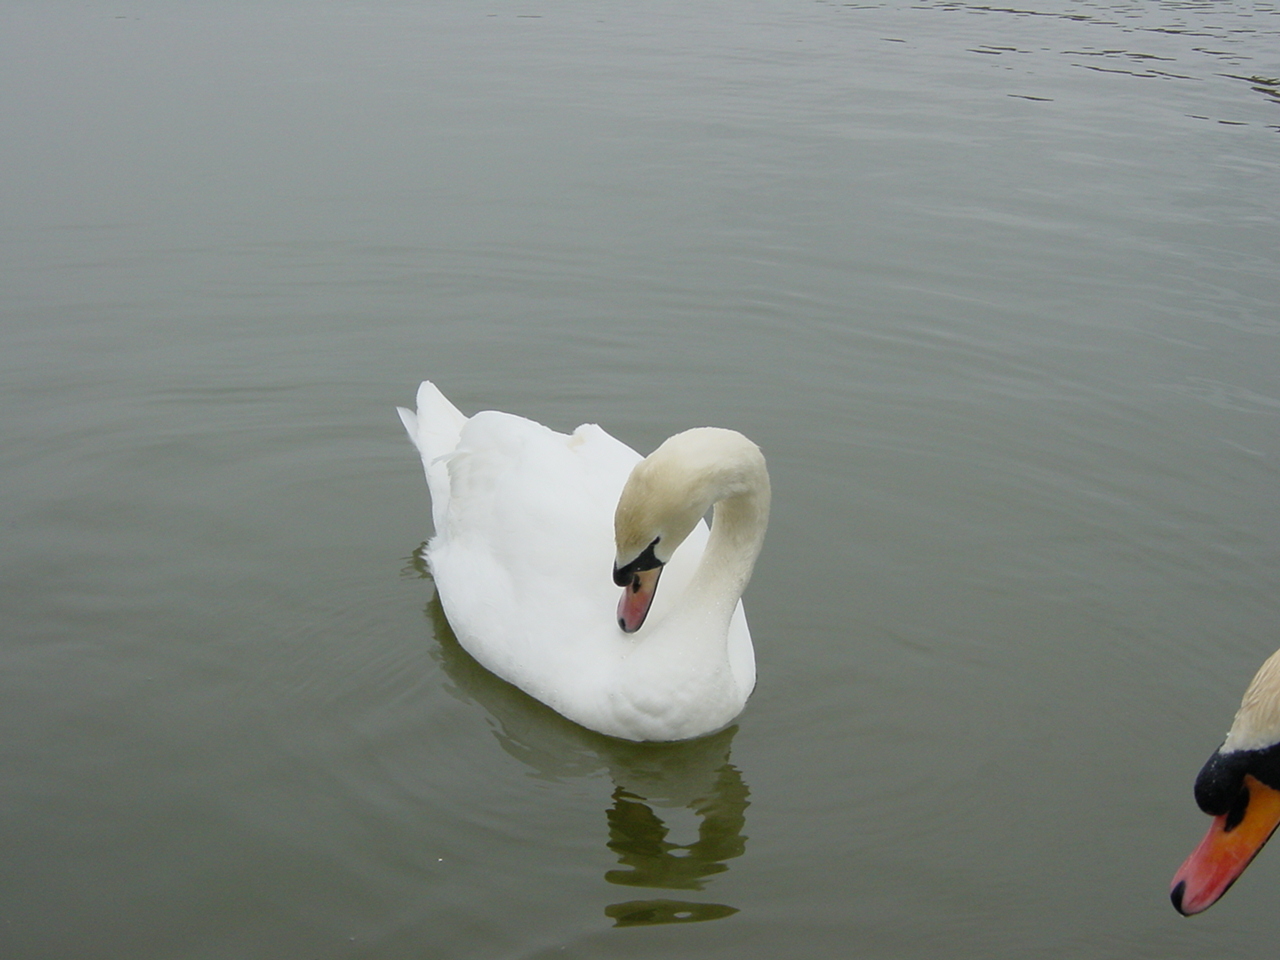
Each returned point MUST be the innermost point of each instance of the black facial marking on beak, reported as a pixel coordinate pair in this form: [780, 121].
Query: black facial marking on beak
[1236, 812]
[626, 575]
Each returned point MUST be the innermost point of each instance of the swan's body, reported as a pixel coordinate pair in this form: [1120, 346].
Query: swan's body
[1240, 787]
[528, 522]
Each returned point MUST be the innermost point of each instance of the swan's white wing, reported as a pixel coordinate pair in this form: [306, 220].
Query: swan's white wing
[524, 552]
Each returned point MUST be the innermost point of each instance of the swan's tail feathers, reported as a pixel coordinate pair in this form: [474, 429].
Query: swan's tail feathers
[434, 428]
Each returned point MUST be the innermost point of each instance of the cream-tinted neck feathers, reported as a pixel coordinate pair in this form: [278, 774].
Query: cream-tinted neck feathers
[1257, 722]
[674, 487]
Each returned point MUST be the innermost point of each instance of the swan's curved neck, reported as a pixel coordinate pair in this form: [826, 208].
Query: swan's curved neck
[738, 525]
[696, 651]
[668, 494]
[737, 533]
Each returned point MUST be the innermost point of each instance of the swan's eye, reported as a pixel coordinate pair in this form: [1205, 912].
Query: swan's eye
[646, 561]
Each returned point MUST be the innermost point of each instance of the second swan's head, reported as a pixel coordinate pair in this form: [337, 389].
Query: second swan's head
[1239, 787]
[664, 498]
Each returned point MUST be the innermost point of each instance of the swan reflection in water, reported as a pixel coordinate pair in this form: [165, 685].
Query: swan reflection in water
[649, 779]
[639, 838]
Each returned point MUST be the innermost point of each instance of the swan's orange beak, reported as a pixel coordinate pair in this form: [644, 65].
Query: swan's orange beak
[637, 597]
[1225, 851]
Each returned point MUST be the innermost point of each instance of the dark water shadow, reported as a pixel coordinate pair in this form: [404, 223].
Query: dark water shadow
[649, 779]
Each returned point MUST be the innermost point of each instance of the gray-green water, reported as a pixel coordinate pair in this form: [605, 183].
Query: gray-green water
[996, 290]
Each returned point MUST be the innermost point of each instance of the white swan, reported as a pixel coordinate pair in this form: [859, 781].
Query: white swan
[528, 523]
[1239, 786]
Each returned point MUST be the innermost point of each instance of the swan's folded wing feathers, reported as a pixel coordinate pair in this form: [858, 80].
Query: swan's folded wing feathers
[522, 558]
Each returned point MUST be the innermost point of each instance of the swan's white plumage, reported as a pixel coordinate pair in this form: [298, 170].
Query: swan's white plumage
[522, 555]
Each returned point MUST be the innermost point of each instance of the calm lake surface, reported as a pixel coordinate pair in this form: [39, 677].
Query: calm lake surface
[995, 288]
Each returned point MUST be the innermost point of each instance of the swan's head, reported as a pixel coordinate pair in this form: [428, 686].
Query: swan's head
[664, 498]
[1239, 787]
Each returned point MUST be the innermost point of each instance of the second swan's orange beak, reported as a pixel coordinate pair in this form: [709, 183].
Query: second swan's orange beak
[1226, 850]
[637, 597]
